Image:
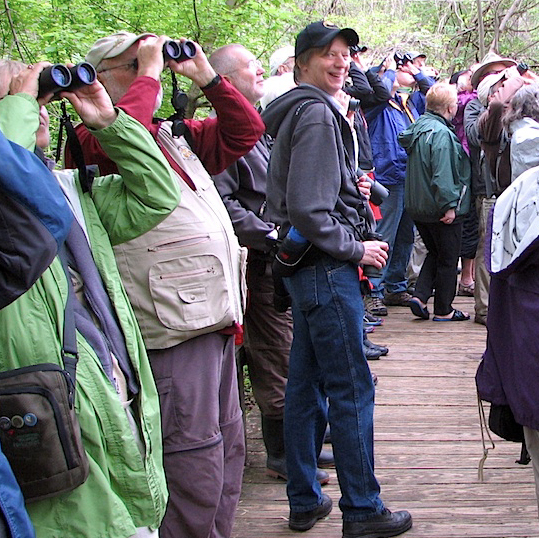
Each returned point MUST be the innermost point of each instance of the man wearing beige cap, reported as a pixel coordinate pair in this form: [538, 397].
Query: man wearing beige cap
[282, 61]
[482, 189]
[184, 280]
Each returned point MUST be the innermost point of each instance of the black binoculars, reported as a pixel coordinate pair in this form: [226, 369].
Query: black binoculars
[378, 192]
[370, 271]
[354, 105]
[58, 77]
[522, 67]
[179, 52]
[402, 58]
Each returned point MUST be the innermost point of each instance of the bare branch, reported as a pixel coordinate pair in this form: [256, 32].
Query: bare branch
[13, 31]
[509, 14]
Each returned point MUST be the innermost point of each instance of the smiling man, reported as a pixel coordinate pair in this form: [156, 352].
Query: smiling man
[313, 196]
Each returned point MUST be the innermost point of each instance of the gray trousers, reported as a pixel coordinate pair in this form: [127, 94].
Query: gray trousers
[203, 439]
[268, 337]
[482, 277]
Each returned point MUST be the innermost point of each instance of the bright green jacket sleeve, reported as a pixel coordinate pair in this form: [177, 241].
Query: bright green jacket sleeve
[144, 192]
[19, 119]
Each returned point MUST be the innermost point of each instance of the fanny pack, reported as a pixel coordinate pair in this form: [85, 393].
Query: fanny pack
[39, 429]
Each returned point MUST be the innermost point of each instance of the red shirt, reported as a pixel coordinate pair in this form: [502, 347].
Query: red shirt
[218, 142]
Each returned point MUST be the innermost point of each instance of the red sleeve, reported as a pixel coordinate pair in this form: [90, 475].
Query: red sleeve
[218, 142]
[138, 102]
[221, 141]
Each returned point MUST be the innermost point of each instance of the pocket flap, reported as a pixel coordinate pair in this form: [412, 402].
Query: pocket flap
[193, 295]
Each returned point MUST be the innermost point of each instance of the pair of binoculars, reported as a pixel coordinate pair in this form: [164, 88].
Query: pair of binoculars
[58, 77]
[179, 52]
[402, 58]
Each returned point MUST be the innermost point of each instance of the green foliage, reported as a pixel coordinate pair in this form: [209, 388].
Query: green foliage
[63, 30]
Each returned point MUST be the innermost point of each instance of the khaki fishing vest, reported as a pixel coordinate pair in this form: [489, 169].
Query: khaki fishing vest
[186, 276]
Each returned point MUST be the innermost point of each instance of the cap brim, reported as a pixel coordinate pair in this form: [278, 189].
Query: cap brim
[349, 35]
[480, 72]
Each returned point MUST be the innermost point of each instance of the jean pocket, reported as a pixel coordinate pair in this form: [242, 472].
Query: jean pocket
[302, 288]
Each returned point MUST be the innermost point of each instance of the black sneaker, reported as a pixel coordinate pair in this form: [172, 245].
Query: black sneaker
[383, 525]
[371, 354]
[370, 320]
[303, 521]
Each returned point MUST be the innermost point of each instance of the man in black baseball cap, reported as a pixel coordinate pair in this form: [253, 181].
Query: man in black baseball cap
[321, 33]
[314, 196]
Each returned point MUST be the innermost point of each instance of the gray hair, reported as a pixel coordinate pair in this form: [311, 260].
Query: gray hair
[524, 104]
[440, 96]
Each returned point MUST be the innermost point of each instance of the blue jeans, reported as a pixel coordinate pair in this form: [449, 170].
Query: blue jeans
[327, 360]
[397, 229]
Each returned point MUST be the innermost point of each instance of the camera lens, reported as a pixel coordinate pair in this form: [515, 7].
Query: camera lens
[353, 105]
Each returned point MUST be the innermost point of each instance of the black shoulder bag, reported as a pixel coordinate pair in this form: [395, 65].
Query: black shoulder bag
[39, 429]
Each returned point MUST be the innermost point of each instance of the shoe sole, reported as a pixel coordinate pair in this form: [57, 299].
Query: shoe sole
[386, 534]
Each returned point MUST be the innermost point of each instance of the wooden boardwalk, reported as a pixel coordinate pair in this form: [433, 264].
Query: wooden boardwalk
[427, 445]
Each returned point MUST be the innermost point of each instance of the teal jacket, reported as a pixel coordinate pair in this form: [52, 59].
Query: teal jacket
[438, 173]
[124, 490]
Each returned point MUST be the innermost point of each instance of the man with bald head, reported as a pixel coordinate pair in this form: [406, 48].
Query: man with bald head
[268, 333]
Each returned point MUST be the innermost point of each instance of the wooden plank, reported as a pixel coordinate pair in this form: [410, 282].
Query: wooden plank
[427, 445]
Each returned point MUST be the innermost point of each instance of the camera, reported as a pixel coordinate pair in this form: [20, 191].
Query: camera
[522, 67]
[369, 270]
[179, 52]
[378, 192]
[354, 105]
[290, 253]
[58, 77]
[402, 58]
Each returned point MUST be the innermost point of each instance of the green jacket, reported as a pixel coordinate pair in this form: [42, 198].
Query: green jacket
[124, 490]
[438, 173]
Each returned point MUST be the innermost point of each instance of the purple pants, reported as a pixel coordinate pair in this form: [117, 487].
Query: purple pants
[203, 440]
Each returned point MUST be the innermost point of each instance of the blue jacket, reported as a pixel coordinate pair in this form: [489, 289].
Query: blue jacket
[12, 503]
[385, 122]
[34, 219]
[418, 97]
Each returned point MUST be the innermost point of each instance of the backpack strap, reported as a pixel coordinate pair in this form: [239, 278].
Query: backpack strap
[70, 354]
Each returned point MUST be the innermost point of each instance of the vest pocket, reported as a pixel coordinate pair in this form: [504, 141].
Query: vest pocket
[190, 293]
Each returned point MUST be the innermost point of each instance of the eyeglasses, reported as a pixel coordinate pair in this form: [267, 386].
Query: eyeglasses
[133, 64]
[257, 64]
[254, 63]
